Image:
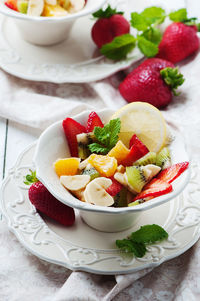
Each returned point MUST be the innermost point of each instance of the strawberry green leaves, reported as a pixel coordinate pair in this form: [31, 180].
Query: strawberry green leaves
[119, 47]
[172, 78]
[31, 178]
[136, 243]
[107, 13]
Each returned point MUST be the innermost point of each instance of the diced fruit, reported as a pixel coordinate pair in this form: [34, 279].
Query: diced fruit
[163, 158]
[76, 182]
[136, 178]
[83, 141]
[171, 173]
[105, 165]
[92, 172]
[46, 203]
[12, 4]
[145, 121]
[155, 188]
[138, 150]
[68, 166]
[71, 129]
[114, 188]
[54, 11]
[93, 120]
[122, 179]
[64, 3]
[150, 171]
[22, 6]
[75, 5]
[119, 151]
[35, 8]
[149, 158]
[96, 194]
[134, 203]
[121, 198]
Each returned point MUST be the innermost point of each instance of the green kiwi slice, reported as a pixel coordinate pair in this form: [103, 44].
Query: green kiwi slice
[136, 177]
[149, 158]
[163, 158]
[92, 172]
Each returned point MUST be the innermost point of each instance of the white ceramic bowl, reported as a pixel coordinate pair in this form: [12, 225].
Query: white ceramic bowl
[47, 30]
[52, 145]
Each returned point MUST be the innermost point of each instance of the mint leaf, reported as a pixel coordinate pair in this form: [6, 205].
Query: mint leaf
[172, 78]
[154, 15]
[148, 48]
[139, 22]
[149, 234]
[106, 137]
[153, 35]
[119, 47]
[107, 13]
[179, 15]
[138, 249]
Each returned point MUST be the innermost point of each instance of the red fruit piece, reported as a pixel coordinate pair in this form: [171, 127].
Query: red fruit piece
[93, 120]
[72, 128]
[171, 173]
[179, 41]
[145, 83]
[109, 25]
[12, 4]
[137, 151]
[154, 188]
[114, 188]
[46, 203]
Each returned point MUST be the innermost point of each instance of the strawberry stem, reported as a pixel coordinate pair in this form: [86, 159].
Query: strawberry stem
[107, 13]
[31, 178]
[172, 78]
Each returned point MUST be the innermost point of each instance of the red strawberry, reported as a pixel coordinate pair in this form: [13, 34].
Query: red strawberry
[114, 188]
[171, 173]
[153, 82]
[93, 120]
[46, 203]
[109, 25]
[72, 128]
[12, 4]
[137, 150]
[179, 41]
[154, 188]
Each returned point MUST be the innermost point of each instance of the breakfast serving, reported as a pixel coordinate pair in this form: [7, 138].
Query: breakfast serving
[122, 163]
[46, 8]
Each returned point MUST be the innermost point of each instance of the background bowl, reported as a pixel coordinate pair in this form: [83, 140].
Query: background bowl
[52, 145]
[47, 30]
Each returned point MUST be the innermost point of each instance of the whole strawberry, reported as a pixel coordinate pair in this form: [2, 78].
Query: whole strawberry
[46, 203]
[179, 41]
[109, 25]
[154, 81]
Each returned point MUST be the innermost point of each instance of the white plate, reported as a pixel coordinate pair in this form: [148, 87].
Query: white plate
[76, 60]
[83, 248]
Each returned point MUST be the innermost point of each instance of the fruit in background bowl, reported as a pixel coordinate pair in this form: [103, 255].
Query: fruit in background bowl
[122, 210]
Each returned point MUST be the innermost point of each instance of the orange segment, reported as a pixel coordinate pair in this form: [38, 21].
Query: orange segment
[67, 167]
[119, 151]
[105, 165]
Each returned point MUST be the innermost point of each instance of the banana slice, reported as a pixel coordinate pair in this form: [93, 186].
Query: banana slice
[79, 194]
[76, 5]
[150, 171]
[75, 183]
[51, 2]
[35, 7]
[96, 194]
[122, 179]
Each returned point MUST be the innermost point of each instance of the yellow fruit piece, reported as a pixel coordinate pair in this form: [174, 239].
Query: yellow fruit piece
[53, 11]
[67, 167]
[105, 165]
[119, 151]
[144, 120]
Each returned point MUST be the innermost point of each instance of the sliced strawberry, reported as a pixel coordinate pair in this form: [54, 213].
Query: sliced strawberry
[114, 188]
[12, 4]
[137, 150]
[93, 120]
[154, 188]
[171, 173]
[72, 128]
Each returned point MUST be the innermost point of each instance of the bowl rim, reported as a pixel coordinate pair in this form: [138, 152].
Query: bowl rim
[88, 9]
[75, 203]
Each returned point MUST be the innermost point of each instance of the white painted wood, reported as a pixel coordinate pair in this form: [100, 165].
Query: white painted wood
[19, 137]
[2, 144]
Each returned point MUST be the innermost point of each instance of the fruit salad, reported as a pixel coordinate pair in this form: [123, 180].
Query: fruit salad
[124, 162]
[46, 8]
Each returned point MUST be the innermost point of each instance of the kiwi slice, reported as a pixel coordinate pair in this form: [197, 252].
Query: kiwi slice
[121, 198]
[84, 140]
[163, 158]
[136, 177]
[149, 158]
[92, 172]
[138, 202]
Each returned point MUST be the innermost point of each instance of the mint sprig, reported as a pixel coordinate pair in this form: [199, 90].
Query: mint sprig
[106, 137]
[136, 243]
[107, 13]
[178, 15]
